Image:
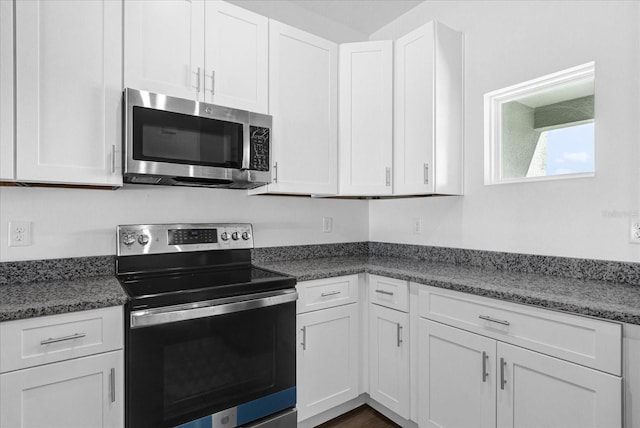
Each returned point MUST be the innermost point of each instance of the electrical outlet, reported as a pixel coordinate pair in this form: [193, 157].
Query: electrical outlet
[327, 224]
[634, 230]
[19, 233]
[417, 226]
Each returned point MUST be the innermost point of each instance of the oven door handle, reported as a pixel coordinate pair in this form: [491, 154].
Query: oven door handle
[156, 316]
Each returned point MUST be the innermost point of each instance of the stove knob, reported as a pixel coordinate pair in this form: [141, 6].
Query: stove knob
[246, 236]
[224, 236]
[128, 239]
[143, 239]
[235, 236]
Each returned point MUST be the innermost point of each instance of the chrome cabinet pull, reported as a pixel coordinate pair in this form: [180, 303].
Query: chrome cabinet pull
[275, 172]
[62, 339]
[304, 338]
[485, 374]
[387, 176]
[197, 73]
[387, 293]
[330, 293]
[213, 82]
[112, 385]
[503, 381]
[426, 173]
[113, 159]
[399, 331]
[488, 318]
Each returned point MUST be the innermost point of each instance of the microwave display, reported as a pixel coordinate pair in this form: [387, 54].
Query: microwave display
[165, 136]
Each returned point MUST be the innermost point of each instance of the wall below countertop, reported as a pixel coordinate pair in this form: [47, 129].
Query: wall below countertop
[507, 42]
[79, 222]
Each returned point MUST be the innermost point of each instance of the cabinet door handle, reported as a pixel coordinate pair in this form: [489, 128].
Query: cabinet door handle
[275, 172]
[387, 176]
[426, 173]
[213, 82]
[329, 293]
[112, 385]
[304, 338]
[387, 293]
[485, 374]
[488, 318]
[399, 331]
[503, 381]
[197, 73]
[62, 339]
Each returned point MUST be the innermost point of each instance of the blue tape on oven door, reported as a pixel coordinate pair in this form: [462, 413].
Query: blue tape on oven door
[265, 406]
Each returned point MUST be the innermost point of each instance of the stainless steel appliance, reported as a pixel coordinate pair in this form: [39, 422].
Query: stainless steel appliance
[174, 141]
[210, 339]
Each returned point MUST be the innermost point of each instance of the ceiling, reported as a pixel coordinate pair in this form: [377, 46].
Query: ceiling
[365, 16]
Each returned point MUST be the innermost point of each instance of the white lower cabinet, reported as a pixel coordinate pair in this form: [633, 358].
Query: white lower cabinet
[327, 355]
[81, 393]
[389, 358]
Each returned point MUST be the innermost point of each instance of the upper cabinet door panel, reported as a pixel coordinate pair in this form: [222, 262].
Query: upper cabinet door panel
[304, 86]
[236, 57]
[366, 118]
[164, 47]
[6, 91]
[69, 90]
[414, 124]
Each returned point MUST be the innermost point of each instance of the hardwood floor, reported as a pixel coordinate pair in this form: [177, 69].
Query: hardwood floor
[361, 417]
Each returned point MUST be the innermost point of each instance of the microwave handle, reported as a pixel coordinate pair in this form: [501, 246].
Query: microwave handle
[246, 146]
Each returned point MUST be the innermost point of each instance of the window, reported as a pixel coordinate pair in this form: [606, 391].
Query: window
[541, 129]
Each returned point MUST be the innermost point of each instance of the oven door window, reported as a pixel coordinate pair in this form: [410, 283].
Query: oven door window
[164, 136]
[182, 371]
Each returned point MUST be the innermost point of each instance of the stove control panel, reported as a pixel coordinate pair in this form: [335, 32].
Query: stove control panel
[137, 239]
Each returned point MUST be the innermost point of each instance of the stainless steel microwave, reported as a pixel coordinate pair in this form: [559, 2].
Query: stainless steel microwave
[174, 141]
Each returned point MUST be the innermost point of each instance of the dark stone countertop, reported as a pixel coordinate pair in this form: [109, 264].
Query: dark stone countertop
[50, 297]
[608, 300]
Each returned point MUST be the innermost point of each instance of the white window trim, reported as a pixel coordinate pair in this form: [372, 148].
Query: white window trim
[493, 119]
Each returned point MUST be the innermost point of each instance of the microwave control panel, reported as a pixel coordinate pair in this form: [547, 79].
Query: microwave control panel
[259, 143]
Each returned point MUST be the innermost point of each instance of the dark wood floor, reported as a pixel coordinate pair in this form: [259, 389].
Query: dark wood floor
[361, 417]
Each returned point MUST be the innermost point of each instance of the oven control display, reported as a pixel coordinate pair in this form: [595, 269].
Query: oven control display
[192, 236]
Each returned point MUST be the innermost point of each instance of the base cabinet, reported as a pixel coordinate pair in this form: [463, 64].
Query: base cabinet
[327, 359]
[507, 386]
[80, 393]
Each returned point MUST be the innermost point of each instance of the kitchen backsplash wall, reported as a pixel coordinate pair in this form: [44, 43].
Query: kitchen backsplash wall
[79, 222]
[511, 42]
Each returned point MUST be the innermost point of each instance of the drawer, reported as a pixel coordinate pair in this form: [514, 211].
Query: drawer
[587, 341]
[35, 341]
[326, 293]
[389, 292]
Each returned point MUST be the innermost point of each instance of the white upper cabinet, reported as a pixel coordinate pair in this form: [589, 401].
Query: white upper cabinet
[210, 51]
[236, 57]
[6, 91]
[164, 47]
[428, 111]
[303, 82]
[68, 91]
[366, 115]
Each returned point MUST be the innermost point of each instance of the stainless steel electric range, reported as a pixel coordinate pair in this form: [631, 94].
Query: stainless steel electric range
[210, 339]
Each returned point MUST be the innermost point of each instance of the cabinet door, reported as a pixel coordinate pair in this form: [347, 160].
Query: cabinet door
[365, 153]
[303, 76]
[69, 91]
[456, 370]
[86, 392]
[236, 57]
[389, 358]
[413, 125]
[6, 91]
[535, 390]
[164, 47]
[327, 359]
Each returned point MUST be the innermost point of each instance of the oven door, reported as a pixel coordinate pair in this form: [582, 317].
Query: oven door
[219, 363]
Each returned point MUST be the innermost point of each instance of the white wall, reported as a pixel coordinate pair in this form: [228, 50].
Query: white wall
[508, 42]
[79, 222]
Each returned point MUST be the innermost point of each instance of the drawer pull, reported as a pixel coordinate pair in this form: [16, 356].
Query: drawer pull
[485, 374]
[329, 293]
[503, 381]
[388, 293]
[62, 339]
[487, 318]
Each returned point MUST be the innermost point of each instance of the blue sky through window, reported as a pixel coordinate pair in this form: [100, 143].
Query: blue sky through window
[570, 150]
